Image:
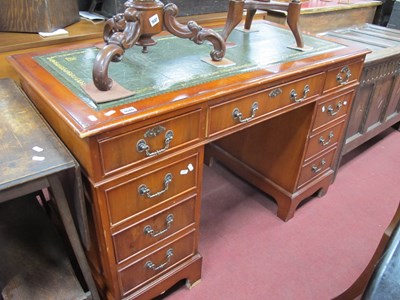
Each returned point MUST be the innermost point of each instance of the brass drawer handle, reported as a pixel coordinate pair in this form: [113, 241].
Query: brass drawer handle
[347, 74]
[142, 145]
[150, 265]
[145, 191]
[148, 230]
[317, 169]
[237, 115]
[325, 143]
[293, 94]
[332, 111]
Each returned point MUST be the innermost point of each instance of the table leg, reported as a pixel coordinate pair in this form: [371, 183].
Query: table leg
[66, 217]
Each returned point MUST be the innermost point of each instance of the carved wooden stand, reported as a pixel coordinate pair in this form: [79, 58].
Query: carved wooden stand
[144, 18]
[141, 20]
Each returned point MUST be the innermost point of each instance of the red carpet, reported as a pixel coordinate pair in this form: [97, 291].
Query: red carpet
[248, 253]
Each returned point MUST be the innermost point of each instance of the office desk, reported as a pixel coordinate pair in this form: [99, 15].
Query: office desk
[276, 118]
[34, 159]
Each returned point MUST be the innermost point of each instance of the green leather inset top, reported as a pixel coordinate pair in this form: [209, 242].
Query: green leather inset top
[176, 63]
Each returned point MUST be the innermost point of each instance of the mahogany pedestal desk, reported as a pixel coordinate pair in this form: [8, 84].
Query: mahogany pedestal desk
[276, 118]
[34, 159]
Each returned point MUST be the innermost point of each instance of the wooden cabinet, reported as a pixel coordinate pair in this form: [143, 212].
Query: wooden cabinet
[279, 125]
[377, 101]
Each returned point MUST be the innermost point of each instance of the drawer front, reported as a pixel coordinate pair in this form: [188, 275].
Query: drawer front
[131, 147]
[316, 167]
[343, 75]
[226, 115]
[154, 187]
[332, 109]
[323, 140]
[142, 271]
[139, 236]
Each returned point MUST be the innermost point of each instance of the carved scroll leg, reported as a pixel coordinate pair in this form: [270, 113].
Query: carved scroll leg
[293, 21]
[194, 32]
[235, 14]
[100, 69]
[117, 42]
[249, 18]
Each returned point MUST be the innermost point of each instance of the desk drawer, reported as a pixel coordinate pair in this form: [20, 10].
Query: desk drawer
[141, 235]
[137, 194]
[148, 268]
[343, 75]
[130, 147]
[323, 140]
[332, 109]
[316, 167]
[226, 115]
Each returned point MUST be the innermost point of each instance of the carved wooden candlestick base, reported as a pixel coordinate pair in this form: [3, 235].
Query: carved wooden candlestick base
[144, 18]
[141, 20]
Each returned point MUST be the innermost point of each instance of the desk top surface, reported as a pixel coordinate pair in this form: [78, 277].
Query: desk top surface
[29, 149]
[86, 120]
[175, 63]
